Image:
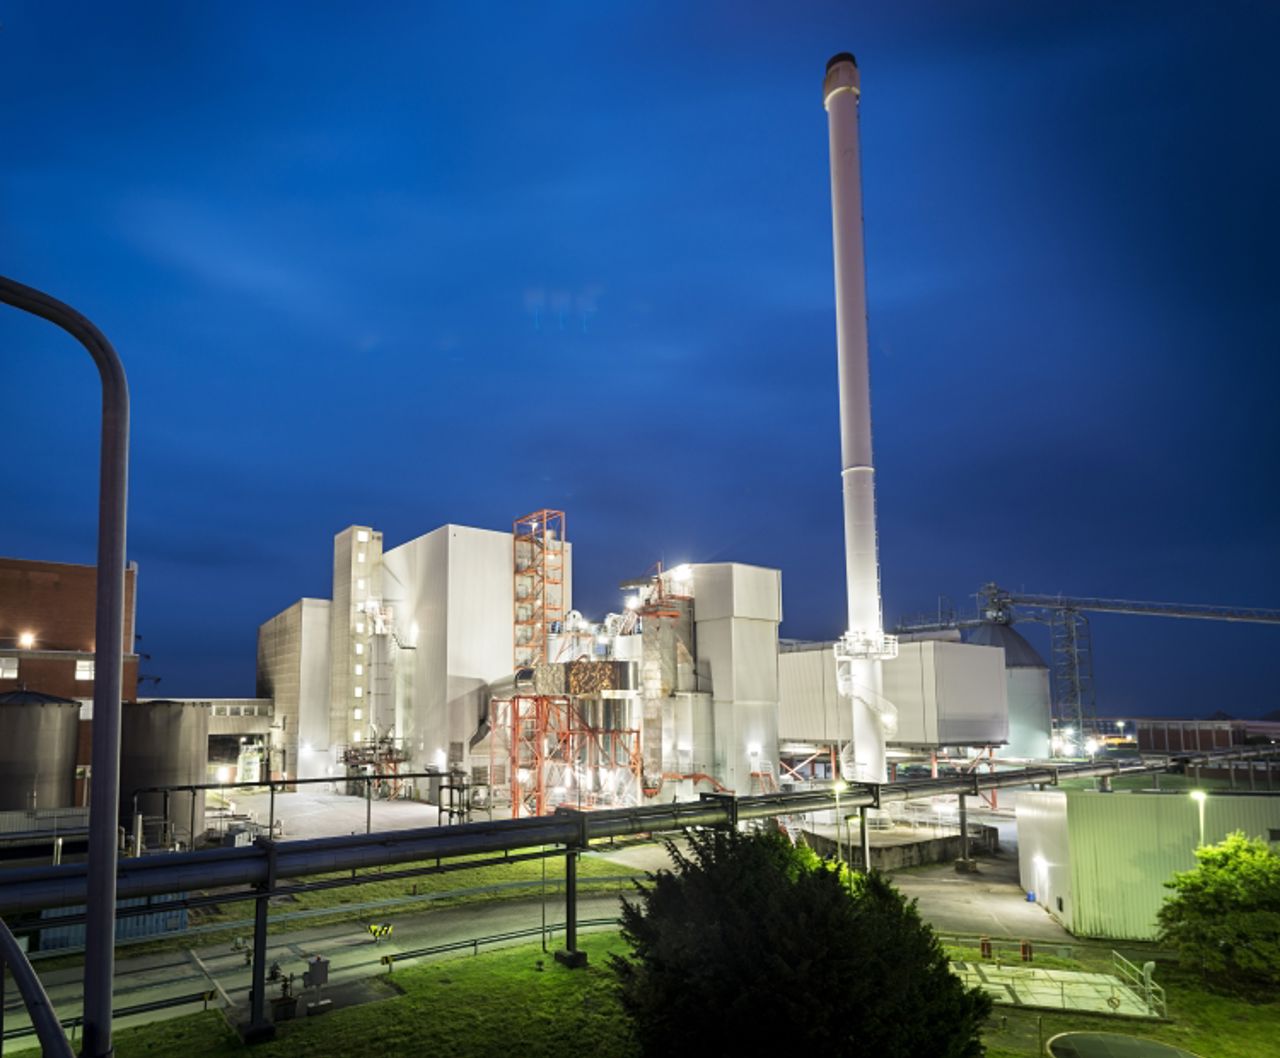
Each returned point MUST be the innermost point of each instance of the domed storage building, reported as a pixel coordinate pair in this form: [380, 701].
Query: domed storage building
[1027, 681]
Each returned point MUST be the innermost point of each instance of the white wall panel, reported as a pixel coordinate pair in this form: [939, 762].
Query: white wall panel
[1044, 852]
[810, 708]
[973, 708]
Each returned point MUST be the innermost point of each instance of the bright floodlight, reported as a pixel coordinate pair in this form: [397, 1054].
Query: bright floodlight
[27, 640]
[1091, 746]
[633, 602]
[1068, 731]
[753, 749]
[1198, 795]
[683, 572]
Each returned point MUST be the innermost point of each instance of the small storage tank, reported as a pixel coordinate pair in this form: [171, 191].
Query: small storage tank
[1027, 678]
[38, 750]
[164, 743]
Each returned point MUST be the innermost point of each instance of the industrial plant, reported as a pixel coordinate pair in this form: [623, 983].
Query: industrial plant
[454, 670]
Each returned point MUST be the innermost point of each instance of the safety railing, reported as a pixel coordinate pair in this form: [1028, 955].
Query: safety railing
[475, 943]
[1140, 982]
[73, 1023]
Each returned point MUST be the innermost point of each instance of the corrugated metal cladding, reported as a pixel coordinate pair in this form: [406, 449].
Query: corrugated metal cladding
[128, 927]
[1124, 846]
[1044, 854]
[810, 708]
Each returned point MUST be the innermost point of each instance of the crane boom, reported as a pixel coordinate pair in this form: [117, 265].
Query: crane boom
[997, 603]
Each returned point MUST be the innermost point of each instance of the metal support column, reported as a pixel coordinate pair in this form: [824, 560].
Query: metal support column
[259, 1028]
[864, 839]
[570, 956]
[965, 864]
[271, 812]
[1104, 783]
[368, 804]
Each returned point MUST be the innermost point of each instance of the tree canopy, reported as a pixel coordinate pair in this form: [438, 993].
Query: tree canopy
[1224, 915]
[751, 945]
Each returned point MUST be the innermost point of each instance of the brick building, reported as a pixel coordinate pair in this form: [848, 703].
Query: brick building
[47, 612]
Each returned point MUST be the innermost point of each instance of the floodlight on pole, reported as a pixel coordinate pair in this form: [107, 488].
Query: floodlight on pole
[1198, 796]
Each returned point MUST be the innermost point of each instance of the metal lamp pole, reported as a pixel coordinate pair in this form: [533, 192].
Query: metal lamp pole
[108, 658]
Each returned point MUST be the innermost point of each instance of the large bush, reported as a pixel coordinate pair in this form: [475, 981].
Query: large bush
[752, 946]
[1224, 915]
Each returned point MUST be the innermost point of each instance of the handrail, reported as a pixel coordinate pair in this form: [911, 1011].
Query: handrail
[44, 1019]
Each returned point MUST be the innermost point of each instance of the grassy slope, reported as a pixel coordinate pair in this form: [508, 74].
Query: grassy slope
[486, 1005]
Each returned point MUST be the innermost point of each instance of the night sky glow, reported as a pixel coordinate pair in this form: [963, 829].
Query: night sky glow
[410, 264]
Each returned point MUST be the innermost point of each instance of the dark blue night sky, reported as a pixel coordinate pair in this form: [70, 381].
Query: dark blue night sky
[413, 264]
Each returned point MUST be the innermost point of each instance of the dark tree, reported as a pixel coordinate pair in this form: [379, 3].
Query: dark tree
[752, 946]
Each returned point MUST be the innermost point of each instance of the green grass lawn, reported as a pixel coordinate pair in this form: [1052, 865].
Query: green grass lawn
[486, 1005]
[425, 886]
[489, 1004]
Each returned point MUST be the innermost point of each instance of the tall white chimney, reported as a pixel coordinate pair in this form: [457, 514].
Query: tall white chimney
[864, 645]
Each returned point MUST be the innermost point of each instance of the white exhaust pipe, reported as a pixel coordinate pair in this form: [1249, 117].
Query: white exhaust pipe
[864, 645]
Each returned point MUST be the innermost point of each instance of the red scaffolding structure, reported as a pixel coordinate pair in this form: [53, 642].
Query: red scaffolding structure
[538, 560]
[544, 753]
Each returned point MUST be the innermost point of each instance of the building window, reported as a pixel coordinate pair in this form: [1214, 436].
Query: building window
[359, 556]
[359, 648]
[360, 584]
[362, 536]
[359, 692]
[8, 668]
[357, 714]
[355, 736]
[359, 670]
[359, 628]
[84, 669]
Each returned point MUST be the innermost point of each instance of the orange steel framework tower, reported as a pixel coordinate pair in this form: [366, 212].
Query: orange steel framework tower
[538, 555]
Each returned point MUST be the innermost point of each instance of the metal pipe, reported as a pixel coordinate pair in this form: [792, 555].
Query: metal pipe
[36, 888]
[864, 644]
[108, 658]
[53, 1041]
